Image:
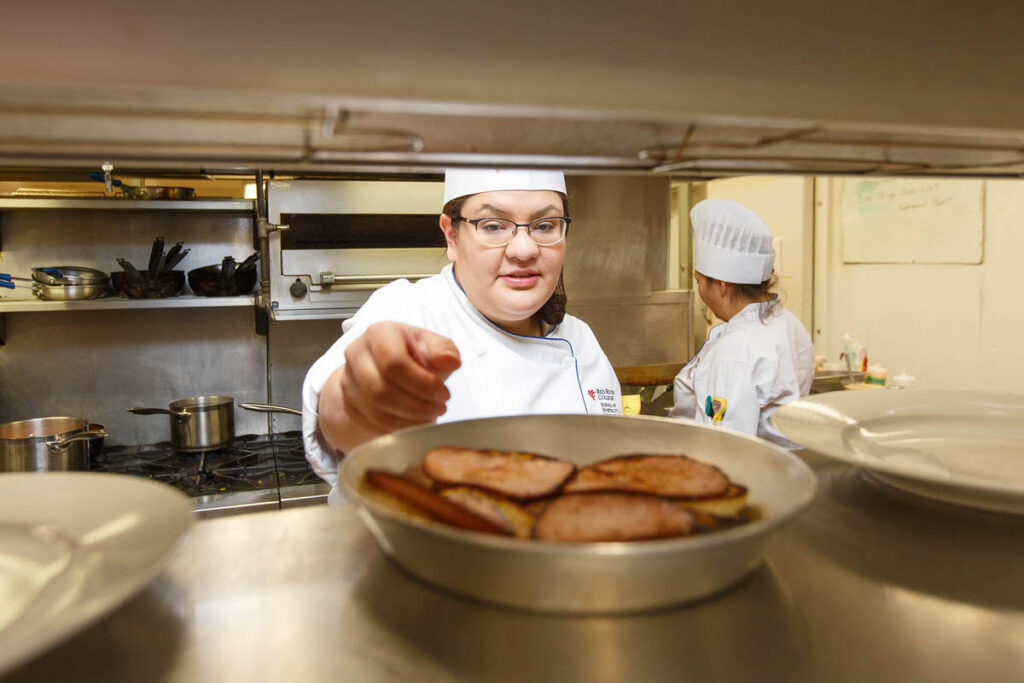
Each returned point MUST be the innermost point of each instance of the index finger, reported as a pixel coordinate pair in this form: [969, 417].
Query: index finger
[433, 351]
[395, 352]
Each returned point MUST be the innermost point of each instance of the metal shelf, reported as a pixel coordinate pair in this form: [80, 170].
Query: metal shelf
[117, 303]
[21, 203]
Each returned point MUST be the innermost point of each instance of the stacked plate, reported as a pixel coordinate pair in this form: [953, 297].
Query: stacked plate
[960, 447]
[69, 283]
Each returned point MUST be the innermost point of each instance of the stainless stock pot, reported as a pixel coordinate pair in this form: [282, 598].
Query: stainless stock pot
[47, 444]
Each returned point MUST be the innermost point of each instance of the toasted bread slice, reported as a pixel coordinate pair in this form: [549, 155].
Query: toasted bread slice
[731, 504]
[501, 511]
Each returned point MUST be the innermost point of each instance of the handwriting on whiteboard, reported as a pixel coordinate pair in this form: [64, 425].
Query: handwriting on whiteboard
[874, 196]
[912, 220]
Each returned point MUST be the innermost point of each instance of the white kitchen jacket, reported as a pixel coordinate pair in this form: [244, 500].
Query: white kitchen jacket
[502, 373]
[745, 370]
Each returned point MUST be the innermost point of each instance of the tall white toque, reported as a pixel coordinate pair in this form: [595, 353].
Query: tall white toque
[462, 182]
[731, 243]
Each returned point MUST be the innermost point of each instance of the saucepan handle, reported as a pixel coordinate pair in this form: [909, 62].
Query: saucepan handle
[267, 408]
[61, 442]
[182, 416]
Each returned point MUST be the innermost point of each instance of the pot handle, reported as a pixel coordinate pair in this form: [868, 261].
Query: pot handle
[182, 416]
[61, 442]
[267, 408]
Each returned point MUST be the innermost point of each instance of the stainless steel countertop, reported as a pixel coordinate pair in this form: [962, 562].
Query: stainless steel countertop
[869, 584]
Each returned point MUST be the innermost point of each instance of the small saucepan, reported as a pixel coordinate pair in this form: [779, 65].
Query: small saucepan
[198, 424]
[48, 444]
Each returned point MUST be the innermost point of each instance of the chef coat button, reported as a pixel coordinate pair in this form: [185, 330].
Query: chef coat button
[481, 349]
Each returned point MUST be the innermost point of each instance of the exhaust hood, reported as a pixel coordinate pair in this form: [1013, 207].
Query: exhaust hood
[685, 89]
[231, 133]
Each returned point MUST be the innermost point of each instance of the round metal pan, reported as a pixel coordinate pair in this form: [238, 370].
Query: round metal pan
[586, 577]
[69, 275]
[69, 292]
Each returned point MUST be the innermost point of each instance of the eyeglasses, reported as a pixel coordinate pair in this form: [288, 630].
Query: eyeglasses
[497, 232]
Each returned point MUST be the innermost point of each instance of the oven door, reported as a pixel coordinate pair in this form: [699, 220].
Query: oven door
[347, 238]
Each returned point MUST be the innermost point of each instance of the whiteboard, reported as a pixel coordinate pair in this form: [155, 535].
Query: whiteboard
[912, 220]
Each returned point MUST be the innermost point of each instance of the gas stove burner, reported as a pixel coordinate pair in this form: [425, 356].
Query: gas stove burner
[250, 463]
[205, 455]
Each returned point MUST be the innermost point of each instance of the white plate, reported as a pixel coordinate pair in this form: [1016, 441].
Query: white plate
[961, 447]
[74, 546]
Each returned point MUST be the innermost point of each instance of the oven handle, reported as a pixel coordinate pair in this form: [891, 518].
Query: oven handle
[332, 281]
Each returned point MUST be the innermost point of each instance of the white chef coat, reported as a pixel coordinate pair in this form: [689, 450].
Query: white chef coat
[502, 373]
[754, 366]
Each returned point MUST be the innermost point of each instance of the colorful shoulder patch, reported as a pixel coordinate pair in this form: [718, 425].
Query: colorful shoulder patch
[714, 407]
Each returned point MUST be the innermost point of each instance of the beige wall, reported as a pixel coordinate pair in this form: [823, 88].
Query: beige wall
[952, 326]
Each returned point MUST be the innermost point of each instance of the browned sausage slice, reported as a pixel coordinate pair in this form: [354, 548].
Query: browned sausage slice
[671, 476]
[519, 476]
[587, 517]
[439, 508]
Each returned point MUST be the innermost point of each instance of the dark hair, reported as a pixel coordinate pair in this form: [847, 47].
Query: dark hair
[553, 310]
[769, 301]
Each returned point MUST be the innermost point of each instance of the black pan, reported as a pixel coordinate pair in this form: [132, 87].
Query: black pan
[215, 281]
[141, 287]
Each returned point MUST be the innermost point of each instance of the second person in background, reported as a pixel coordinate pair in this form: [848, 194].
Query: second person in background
[761, 357]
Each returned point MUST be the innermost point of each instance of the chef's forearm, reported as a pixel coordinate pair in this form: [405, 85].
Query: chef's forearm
[335, 424]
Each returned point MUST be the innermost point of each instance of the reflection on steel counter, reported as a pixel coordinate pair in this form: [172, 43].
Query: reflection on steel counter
[253, 473]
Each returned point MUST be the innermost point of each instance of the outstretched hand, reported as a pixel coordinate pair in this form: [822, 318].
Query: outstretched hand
[393, 377]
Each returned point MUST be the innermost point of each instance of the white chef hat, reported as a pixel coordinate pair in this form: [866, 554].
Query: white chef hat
[461, 182]
[731, 243]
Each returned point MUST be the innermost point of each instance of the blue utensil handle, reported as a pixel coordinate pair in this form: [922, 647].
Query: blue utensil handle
[7, 283]
[5, 276]
[99, 176]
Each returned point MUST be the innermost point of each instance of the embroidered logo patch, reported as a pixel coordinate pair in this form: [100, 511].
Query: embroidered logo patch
[607, 399]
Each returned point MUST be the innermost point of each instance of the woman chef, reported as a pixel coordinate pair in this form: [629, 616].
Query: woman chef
[761, 356]
[488, 336]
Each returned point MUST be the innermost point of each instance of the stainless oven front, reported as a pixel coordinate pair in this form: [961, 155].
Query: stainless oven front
[347, 238]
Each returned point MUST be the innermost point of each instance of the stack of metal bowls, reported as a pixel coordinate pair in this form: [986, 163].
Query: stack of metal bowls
[69, 283]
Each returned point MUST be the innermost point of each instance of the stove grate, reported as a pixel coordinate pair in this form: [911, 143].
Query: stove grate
[250, 463]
